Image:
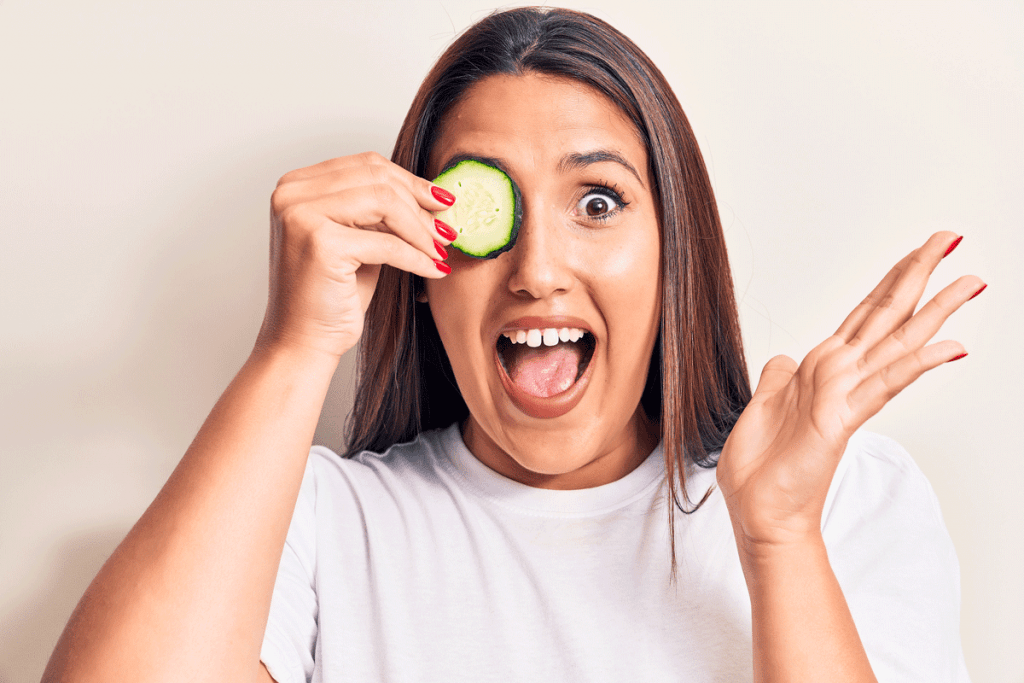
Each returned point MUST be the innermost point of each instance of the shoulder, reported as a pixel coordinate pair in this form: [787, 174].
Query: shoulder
[405, 472]
[416, 459]
[870, 452]
[882, 515]
[894, 558]
[875, 471]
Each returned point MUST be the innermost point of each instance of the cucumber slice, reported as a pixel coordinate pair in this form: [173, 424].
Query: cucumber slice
[487, 211]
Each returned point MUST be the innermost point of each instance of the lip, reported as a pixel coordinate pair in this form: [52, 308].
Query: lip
[551, 406]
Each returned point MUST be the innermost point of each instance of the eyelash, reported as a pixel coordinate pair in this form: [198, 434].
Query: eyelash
[609, 191]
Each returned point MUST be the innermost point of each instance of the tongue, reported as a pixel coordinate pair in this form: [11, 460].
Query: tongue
[546, 370]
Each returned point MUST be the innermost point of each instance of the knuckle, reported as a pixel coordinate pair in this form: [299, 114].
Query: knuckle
[291, 216]
[942, 304]
[887, 301]
[889, 384]
[279, 199]
[383, 194]
[378, 174]
[372, 158]
[901, 337]
[919, 257]
[318, 244]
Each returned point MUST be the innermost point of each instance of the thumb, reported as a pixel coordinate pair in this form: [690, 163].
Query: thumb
[776, 374]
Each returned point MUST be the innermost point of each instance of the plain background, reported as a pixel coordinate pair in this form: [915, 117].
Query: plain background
[139, 144]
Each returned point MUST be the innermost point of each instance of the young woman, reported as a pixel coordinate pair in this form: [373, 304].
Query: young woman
[610, 503]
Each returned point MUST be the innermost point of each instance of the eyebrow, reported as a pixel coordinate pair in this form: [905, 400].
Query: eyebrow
[576, 161]
[570, 162]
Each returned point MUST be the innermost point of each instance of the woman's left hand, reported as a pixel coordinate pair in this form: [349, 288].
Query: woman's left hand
[777, 465]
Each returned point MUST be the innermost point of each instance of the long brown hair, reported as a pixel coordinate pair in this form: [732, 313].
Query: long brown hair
[697, 383]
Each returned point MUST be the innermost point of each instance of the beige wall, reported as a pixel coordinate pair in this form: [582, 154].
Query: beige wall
[139, 144]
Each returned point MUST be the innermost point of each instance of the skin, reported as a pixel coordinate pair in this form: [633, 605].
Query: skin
[602, 269]
[187, 593]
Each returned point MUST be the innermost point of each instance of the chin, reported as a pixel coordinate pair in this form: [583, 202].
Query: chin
[554, 462]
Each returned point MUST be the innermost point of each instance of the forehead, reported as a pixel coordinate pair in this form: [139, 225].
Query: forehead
[536, 118]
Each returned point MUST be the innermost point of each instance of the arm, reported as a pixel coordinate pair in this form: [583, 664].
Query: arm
[187, 593]
[802, 627]
[191, 583]
[777, 465]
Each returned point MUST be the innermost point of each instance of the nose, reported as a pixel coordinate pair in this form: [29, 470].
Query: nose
[541, 259]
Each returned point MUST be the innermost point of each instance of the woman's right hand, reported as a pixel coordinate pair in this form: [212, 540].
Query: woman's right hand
[202, 561]
[332, 226]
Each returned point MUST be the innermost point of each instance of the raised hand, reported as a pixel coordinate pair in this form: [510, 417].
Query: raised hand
[332, 226]
[203, 559]
[777, 464]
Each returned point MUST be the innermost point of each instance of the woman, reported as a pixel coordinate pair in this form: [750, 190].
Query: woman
[510, 528]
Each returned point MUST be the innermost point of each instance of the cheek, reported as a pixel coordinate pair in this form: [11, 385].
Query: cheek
[459, 303]
[626, 275]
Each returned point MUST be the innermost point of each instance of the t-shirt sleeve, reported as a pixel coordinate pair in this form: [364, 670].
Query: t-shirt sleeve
[290, 638]
[895, 561]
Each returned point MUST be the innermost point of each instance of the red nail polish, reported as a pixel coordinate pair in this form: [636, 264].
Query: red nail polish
[442, 195]
[441, 251]
[444, 231]
[953, 246]
[979, 291]
[442, 266]
[956, 358]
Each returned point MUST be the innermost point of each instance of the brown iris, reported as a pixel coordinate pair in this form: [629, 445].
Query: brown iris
[597, 206]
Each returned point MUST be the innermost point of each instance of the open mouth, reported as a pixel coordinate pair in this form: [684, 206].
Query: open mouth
[545, 362]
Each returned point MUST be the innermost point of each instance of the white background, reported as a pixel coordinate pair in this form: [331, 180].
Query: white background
[139, 144]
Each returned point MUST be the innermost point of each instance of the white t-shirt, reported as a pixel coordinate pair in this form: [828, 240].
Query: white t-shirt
[422, 564]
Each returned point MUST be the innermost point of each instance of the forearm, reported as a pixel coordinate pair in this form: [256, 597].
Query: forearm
[802, 626]
[187, 593]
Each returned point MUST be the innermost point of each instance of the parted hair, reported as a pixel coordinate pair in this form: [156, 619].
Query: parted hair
[697, 383]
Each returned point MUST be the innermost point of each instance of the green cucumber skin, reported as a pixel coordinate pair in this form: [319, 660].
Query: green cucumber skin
[517, 211]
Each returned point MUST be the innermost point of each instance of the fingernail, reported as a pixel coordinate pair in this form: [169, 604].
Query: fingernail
[953, 246]
[442, 266]
[956, 357]
[442, 195]
[979, 291]
[441, 251]
[444, 231]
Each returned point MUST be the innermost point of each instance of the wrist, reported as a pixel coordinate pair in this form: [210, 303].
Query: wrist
[802, 628]
[308, 367]
[281, 350]
[778, 554]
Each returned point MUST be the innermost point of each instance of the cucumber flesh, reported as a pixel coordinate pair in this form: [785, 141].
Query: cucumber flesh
[488, 208]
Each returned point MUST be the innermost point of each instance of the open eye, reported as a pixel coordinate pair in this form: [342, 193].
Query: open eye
[598, 204]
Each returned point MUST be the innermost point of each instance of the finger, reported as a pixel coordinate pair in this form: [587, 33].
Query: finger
[776, 374]
[336, 164]
[366, 247]
[342, 176]
[369, 168]
[917, 331]
[897, 305]
[875, 391]
[377, 208]
[313, 189]
[864, 308]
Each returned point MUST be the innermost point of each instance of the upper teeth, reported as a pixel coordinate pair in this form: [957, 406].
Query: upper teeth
[549, 336]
